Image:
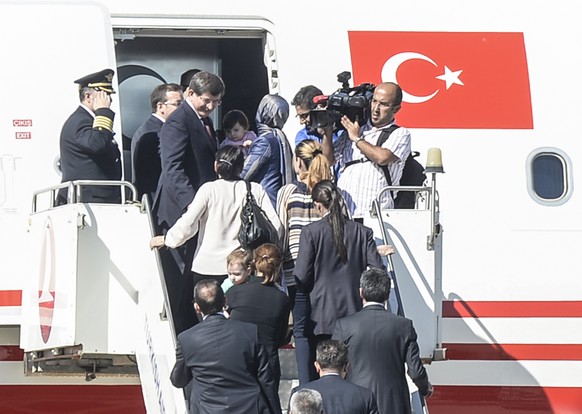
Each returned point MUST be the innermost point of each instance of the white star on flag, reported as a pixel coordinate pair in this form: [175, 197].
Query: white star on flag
[451, 77]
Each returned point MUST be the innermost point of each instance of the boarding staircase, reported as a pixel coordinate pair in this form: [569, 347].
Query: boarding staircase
[415, 269]
[97, 303]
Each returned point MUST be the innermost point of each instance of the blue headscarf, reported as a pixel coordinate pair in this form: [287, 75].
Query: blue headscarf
[272, 113]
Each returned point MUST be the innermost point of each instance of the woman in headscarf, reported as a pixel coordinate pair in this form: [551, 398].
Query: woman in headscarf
[269, 161]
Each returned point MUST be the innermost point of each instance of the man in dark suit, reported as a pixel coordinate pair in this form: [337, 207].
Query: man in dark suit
[339, 396]
[380, 345]
[233, 377]
[187, 153]
[146, 165]
[88, 150]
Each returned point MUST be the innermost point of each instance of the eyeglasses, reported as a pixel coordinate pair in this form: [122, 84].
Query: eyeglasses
[208, 101]
[380, 103]
[303, 116]
[177, 103]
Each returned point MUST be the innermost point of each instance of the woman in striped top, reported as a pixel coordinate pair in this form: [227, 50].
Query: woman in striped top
[295, 209]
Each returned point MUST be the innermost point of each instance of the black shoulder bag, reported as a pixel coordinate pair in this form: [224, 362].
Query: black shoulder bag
[255, 226]
[412, 174]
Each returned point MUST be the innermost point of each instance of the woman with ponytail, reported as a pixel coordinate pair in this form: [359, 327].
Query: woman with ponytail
[261, 301]
[295, 209]
[214, 215]
[333, 253]
[294, 203]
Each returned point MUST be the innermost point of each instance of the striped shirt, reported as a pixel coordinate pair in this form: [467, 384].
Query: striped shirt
[298, 211]
[361, 182]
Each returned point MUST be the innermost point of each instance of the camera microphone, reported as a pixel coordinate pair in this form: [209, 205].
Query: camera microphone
[320, 99]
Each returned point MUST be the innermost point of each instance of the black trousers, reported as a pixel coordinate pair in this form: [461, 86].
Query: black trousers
[177, 264]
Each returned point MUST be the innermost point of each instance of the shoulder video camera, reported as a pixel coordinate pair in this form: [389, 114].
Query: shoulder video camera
[352, 102]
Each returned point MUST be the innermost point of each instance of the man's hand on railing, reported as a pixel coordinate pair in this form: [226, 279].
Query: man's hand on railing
[385, 250]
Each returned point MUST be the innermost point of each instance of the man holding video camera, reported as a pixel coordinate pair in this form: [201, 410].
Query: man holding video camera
[360, 158]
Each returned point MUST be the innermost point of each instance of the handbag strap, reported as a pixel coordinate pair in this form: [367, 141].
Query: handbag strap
[250, 197]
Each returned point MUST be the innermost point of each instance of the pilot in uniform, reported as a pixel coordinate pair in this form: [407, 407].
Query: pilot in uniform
[88, 150]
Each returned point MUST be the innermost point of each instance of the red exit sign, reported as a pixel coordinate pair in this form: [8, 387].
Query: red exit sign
[23, 135]
[22, 122]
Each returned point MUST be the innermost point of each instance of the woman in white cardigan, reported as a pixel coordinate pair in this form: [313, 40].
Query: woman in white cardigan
[215, 215]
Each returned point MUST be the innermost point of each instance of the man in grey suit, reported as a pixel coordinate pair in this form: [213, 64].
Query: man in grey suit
[187, 152]
[380, 345]
[228, 366]
[339, 396]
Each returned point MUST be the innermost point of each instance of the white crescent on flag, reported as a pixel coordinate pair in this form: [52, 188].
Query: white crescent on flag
[391, 67]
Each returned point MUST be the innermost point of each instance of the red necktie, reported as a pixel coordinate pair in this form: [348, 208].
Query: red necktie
[208, 126]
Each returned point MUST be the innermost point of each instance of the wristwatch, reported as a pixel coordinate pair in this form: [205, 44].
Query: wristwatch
[359, 140]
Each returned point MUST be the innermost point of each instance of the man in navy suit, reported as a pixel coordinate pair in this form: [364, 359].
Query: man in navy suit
[227, 364]
[339, 396]
[146, 165]
[187, 153]
[88, 150]
[380, 345]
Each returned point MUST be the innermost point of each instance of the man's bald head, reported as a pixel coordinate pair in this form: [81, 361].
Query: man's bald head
[209, 297]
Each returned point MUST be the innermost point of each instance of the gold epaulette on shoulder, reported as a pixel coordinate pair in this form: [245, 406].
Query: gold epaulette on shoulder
[103, 122]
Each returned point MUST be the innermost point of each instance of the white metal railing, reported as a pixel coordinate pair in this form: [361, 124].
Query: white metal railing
[73, 191]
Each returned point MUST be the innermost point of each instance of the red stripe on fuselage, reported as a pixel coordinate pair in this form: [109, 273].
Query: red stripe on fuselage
[520, 309]
[504, 352]
[11, 353]
[71, 399]
[10, 297]
[450, 399]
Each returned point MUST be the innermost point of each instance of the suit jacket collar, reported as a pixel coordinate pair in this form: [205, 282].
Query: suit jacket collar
[89, 111]
[158, 119]
[218, 315]
[375, 306]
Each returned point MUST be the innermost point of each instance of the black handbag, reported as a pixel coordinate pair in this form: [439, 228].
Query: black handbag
[255, 227]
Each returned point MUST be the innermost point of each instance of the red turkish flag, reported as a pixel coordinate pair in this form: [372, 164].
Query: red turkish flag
[449, 80]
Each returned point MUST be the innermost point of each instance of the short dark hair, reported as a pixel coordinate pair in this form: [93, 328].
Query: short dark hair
[304, 98]
[229, 162]
[233, 117]
[187, 76]
[375, 284]
[206, 82]
[332, 354]
[158, 95]
[209, 296]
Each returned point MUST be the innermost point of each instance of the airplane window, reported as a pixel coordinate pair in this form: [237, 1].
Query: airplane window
[549, 176]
